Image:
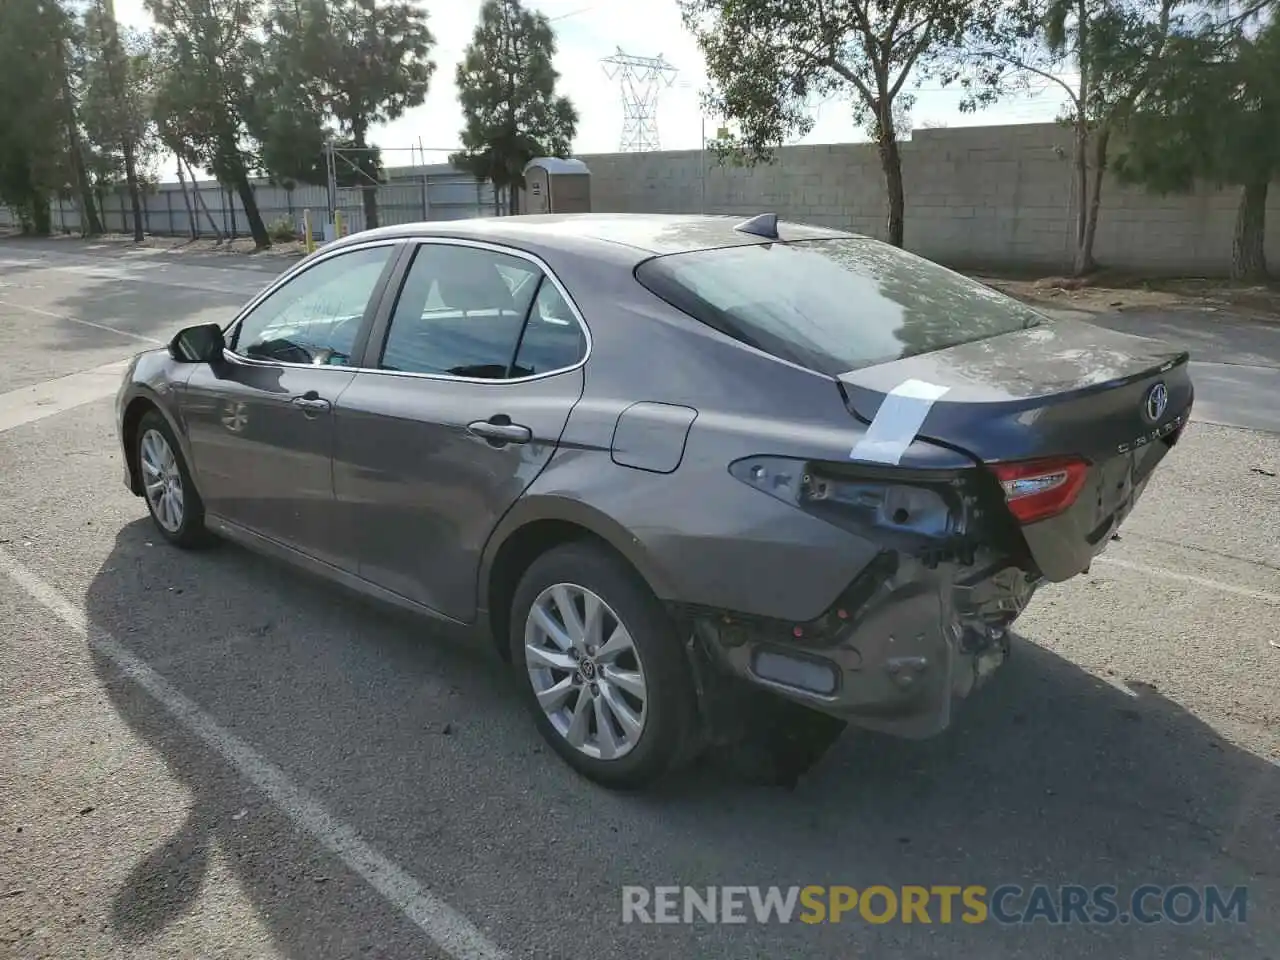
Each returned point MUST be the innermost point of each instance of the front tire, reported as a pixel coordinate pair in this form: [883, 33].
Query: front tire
[601, 667]
[172, 500]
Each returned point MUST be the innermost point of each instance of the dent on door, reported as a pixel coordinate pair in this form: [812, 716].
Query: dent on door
[262, 444]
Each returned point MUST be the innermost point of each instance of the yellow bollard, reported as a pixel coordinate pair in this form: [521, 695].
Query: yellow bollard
[337, 223]
[306, 227]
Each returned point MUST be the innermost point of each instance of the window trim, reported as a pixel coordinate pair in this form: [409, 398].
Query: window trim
[367, 321]
[382, 321]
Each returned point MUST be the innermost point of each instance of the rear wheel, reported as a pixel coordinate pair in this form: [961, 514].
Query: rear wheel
[601, 666]
[171, 497]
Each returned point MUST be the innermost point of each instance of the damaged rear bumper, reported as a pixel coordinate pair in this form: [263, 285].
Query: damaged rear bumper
[894, 653]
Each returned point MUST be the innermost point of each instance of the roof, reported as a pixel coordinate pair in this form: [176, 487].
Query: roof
[556, 165]
[646, 233]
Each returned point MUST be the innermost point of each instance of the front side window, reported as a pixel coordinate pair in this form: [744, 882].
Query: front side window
[315, 317]
[460, 312]
[833, 305]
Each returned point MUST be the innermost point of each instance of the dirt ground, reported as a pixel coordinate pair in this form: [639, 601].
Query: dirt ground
[1108, 293]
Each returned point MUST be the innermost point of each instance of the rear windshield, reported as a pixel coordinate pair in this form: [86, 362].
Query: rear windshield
[833, 305]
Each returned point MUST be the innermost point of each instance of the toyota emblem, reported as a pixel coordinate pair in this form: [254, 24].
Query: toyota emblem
[1157, 402]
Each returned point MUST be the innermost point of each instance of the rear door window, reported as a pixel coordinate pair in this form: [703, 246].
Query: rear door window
[833, 305]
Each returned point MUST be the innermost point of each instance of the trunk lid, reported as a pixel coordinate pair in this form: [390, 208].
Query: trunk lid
[1065, 389]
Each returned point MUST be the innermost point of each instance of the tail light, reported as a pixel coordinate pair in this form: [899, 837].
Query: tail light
[1039, 489]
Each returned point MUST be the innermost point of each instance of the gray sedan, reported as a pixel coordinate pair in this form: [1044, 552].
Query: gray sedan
[683, 472]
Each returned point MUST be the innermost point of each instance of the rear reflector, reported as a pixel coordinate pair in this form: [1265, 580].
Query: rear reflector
[1039, 489]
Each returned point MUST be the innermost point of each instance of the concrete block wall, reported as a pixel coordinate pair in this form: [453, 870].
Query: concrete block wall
[1000, 196]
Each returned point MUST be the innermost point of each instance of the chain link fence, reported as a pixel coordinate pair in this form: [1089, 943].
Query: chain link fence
[409, 195]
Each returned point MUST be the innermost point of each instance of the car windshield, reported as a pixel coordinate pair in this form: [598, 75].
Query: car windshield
[833, 305]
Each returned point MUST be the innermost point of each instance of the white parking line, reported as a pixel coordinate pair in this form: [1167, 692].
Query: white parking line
[88, 323]
[451, 931]
[27, 404]
[1231, 588]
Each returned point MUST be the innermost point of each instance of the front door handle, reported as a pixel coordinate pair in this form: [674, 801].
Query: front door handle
[500, 430]
[311, 403]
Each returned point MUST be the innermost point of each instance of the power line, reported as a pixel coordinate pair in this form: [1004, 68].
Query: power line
[640, 79]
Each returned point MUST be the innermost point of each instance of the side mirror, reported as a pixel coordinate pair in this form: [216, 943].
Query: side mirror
[202, 344]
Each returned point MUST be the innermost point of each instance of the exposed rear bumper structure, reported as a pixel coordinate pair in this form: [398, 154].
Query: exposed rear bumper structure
[896, 650]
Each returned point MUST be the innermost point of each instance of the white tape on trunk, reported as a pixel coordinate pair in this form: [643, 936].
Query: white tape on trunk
[896, 423]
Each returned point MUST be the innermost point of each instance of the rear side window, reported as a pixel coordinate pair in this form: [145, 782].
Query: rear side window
[833, 305]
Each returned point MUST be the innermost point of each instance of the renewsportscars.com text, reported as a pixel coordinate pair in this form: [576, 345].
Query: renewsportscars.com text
[945, 904]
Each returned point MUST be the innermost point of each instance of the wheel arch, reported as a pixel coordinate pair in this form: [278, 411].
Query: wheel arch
[135, 408]
[536, 525]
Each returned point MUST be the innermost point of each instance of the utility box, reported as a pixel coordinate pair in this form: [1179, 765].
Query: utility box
[553, 185]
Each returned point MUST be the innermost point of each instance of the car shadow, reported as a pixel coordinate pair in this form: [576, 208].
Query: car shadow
[416, 740]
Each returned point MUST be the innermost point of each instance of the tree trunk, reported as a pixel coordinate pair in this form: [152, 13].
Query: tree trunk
[891, 163]
[92, 224]
[1248, 247]
[195, 188]
[1081, 161]
[1084, 262]
[135, 193]
[193, 224]
[257, 229]
[41, 221]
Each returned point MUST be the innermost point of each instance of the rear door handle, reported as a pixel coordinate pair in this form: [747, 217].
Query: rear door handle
[499, 430]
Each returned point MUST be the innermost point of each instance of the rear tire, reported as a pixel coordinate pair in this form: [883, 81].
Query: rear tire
[172, 500]
[615, 700]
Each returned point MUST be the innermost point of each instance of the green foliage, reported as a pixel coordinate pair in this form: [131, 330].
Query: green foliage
[1213, 115]
[118, 99]
[506, 86]
[207, 51]
[283, 230]
[33, 147]
[770, 61]
[331, 71]
[1101, 54]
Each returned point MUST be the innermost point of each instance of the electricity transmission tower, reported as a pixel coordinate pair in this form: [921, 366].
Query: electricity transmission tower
[641, 79]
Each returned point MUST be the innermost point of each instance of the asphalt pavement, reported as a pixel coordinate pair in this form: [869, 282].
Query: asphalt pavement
[211, 755]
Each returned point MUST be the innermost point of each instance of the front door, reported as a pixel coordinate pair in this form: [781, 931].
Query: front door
[260, 423]
[472, 385]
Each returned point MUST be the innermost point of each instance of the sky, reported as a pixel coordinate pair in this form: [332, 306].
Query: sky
[587, 31]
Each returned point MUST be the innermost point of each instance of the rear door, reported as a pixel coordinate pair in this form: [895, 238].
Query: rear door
[471, 378]
[261, 422]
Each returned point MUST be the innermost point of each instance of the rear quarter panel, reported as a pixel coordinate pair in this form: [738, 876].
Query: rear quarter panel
[698, 534]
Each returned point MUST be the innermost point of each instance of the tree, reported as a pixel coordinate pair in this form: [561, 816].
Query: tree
[344, 64]
[32, 148]
[507, 89]
[1114, 48]
[118, 102]
[1214, 115]
[209, 50]
[768, 59]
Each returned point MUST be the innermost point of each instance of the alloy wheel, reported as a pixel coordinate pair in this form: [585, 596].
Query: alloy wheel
[162, 480]
[585, 671]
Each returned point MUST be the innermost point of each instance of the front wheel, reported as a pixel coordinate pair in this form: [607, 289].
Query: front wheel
[171, 497]
[601, 666]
